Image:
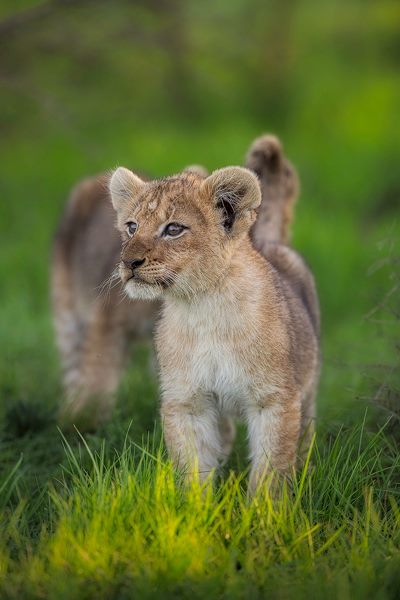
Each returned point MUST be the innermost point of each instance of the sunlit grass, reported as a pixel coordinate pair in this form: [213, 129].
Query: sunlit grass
[116, 524]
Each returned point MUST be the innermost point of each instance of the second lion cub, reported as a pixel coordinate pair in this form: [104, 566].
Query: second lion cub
[238, 335]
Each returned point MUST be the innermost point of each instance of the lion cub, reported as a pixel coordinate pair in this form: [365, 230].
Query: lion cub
[238, 333]
[95, 323]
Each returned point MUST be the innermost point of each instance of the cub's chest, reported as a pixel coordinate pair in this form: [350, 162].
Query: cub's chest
[209, 349]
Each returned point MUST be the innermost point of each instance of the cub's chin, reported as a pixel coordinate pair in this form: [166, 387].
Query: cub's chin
[139, 290]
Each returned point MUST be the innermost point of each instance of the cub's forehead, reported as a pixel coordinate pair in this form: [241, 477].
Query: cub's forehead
[164, 198]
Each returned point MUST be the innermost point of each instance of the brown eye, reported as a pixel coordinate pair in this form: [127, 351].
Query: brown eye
[174, 229]
[131, 227]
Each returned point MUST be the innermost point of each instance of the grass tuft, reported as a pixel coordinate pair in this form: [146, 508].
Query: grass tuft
[123, 523]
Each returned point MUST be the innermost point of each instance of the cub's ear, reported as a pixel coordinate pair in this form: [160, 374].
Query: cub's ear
[236, 193]
[196, 170]
[124, 188]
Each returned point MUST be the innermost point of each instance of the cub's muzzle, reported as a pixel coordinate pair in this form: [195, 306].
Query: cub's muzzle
[134, 264]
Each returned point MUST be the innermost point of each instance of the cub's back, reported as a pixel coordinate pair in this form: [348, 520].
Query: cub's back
[296, 278]
[86, 252]
[86, 240]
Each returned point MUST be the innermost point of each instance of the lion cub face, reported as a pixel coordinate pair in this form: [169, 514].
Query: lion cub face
[178, 233]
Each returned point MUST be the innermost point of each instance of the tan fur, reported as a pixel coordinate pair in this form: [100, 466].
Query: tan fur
[94, 321]
[238, 333]
[280, 184]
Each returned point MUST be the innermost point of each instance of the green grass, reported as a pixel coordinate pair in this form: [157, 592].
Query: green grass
[119, 524]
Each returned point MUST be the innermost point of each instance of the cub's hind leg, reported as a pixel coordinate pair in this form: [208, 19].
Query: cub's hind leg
[308, 417]
[227, 432]
[91, 344]
[68, 324]
[91, 401]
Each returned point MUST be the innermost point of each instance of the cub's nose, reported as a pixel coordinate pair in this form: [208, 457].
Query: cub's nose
[134, 264]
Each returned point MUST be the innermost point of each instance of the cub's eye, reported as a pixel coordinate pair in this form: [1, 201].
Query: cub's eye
[131, 227]
[173, 229]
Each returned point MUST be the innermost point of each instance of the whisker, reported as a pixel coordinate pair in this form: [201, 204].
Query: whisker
[104, 289]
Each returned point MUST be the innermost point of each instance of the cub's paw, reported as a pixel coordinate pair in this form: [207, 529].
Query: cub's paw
[85, 413]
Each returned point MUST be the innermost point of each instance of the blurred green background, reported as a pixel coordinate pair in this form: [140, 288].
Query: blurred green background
[159, 84]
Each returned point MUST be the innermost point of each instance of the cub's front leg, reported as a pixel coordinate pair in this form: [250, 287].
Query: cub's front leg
[273, 431]
[192, 433]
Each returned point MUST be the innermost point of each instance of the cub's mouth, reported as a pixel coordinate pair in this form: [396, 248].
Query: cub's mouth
[139, 288]
[163, 282]
[142, 285]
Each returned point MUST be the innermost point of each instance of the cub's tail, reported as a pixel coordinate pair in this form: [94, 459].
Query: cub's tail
[280, 188]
